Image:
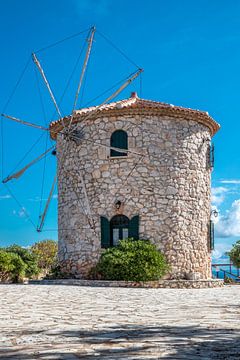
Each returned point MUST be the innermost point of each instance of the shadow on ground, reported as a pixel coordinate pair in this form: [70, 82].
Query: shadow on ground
[128, 342]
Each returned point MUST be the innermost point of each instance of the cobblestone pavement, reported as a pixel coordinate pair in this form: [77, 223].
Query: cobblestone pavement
[67, 322]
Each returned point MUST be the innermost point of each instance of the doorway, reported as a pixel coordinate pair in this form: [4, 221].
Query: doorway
[119, 229]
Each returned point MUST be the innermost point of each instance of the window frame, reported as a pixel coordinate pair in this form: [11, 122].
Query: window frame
[121, 143]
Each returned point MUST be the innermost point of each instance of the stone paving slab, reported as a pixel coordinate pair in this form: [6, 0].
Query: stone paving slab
[74, 322]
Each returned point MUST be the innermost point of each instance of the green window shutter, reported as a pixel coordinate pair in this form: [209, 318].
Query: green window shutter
[211, 235]
[119, 139]
[210, 156]
[134, 227]
[105, 232]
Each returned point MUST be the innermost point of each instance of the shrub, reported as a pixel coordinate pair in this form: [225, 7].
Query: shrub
[6, 265]
[19, 268]
[56, 273]
[12, 267]
[234, 254]
[46, 254]
[131, 260]
[29, 259]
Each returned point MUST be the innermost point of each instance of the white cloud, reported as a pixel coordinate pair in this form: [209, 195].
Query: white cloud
[234, 181]
[21, 213]
[219, 253]
[218, 195]
[229, 224]
[38, 199]
[4, 197]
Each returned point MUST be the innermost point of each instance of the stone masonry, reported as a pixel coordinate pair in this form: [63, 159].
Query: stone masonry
[165, 179]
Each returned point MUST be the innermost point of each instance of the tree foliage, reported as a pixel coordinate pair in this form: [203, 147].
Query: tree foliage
[46, 253]
[132, 260]
[17, 262]
[234, 254]
[27, 257]
[12, 267]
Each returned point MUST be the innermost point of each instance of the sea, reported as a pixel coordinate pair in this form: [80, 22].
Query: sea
[222, 267]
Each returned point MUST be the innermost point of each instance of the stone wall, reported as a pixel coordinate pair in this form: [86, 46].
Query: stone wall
[171, 284]
[168, 187]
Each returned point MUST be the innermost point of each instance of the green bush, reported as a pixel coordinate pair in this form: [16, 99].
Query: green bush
[29, 259]
[46, 254]
[19, 268]
[6, 265]
[17, 262]
[12, 267]
[131, 260]
[234, 254]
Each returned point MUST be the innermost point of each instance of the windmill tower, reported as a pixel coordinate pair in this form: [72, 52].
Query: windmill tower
[132, 168]
[135, 168]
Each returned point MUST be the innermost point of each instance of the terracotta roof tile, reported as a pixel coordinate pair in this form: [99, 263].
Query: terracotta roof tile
[134, 103]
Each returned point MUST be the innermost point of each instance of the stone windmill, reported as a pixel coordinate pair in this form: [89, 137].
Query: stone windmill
[132, 168]
[141, 169]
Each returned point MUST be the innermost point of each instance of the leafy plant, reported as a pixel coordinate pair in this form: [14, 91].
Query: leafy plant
[19, 268]
[12, 267]
[6, 265]
[228, 280]
[46, 253]
[234, 254]
[27, 257]
[131, 260]
[57, 273]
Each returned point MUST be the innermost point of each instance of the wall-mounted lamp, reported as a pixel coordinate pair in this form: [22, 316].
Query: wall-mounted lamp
[214, 212]
[118, 204]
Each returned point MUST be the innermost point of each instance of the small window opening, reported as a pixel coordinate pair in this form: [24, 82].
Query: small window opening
[119, 140]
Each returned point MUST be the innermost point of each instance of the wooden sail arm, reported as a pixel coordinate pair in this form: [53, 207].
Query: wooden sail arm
[19, 173]
[43, 216]
[90, 41]
[23, 122]
[36, 61]
[120, 89]
[129, 81]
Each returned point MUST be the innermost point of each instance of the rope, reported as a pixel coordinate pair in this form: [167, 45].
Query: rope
[129, 174]
[129, 80]
[61, 41]
[21, 207]
[43, 180]
[106, 91]
[27, 153]
[16, 85]
[119, 50]
[70, 78]
[4, 110]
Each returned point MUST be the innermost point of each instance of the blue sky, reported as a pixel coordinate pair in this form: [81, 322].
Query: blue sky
[190, 54]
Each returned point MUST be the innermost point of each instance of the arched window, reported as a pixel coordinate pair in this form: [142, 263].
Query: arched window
[118, 228]
[119, 139]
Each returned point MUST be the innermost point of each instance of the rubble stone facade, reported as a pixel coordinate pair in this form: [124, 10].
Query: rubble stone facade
[164, 179]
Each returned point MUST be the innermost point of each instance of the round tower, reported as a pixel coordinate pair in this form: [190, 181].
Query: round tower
[135, 168]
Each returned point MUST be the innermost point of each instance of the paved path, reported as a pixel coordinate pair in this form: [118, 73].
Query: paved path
[67, 322]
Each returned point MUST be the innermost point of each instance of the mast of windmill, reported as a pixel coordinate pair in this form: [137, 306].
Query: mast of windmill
[68, 130]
